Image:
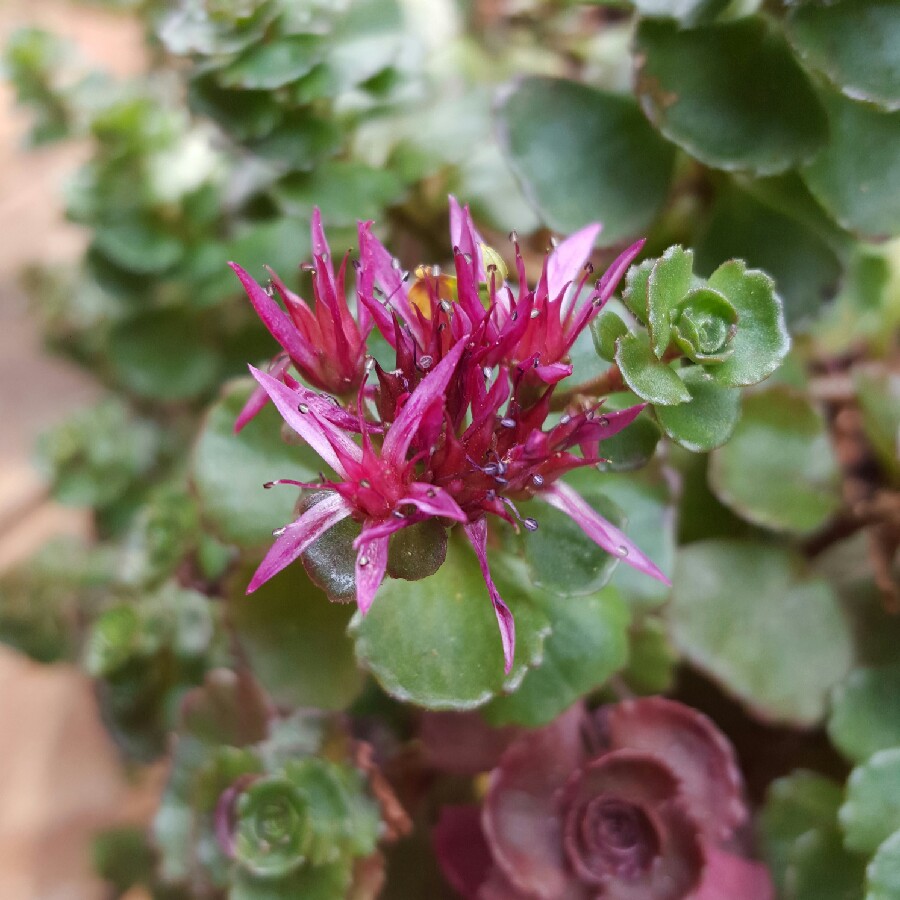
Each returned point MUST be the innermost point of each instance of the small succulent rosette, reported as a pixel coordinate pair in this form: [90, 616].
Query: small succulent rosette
[640, 800]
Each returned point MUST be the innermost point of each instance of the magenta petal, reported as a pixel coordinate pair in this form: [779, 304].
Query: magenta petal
[371, 563]
[476, 532]
[333, 445]
[461, 849]
[464, 235]
[603, 533]
[276, 320]
[434, 501]
[613, 275]
[258, 399]
[553, 373]
[430, 389]
[298, 536]
[565, 262]
[735, 878]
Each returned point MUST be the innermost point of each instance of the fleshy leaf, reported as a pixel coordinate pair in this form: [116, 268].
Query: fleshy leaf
[762, 339]
[708, 420]
[560, 557]
[780, 229]
[795, 804]
[883, 872]
[293, 638]
[865, 712]
[778, 470]
[856, 177]
[854, 43]
[670, 280]
[871, 812]
[434, 642]
[270, 65]
[587, 644]
[578, 151]
[777, 640]
[743, 103]
[229, 471]
[821, 869]
[652, 380]
[606, 329]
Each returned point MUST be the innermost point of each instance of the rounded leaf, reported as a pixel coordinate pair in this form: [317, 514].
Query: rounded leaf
[705, 325]
[606, 329]
[670, 279]
[708, 420]
[797, 250]
[580, 153]
[856, 177]
[294, 639]
[652, 380]
[854, 43]
[270, 65]
[743, 613]
[159, 355]
[778, 470]
[588, 643]
[871, 812]
[883, 872]
[743, 102]
[762, 340]
[865, 712]
[435, 642]
[229, 471]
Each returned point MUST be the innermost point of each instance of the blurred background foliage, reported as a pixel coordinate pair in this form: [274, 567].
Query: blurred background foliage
[768, 131]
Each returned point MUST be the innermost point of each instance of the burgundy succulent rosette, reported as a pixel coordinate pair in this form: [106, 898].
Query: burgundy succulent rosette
[641, 800]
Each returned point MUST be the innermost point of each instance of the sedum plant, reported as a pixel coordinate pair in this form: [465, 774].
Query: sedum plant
[517, 488]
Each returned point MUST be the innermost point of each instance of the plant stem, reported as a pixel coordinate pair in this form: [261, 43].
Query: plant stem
[607, 382]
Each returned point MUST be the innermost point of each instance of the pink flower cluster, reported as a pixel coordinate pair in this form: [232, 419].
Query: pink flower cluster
[461, 427]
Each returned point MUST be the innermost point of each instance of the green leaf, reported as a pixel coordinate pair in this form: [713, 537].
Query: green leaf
[742, 103]
[883, 872]
[300, 142]
[654, 381]
[162, 356]
[606, 329]
[778, 470]
[795, 804]
[633, 447]
[871, 812]
[879, 402]
[854, 43]
[856, 177]
[229, 471]
[294, 639]
[651, 525]
[328, 882]
[670, 280]
[804, 264]
[652, 659]
[145, 248]
[762, 340]
[865, 712]
[587, 644]
[821, 869]
[273, 65]
[686, 11]
[582, 154]
[637, 285]
[436, 643]
[344, 191]
[708, 420]
[561, 558]
[243, 115]
[745, 614]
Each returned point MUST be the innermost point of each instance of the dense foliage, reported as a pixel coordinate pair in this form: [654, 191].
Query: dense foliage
[662, 455]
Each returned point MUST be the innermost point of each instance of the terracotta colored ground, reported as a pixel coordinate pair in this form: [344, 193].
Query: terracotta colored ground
[59, 776]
